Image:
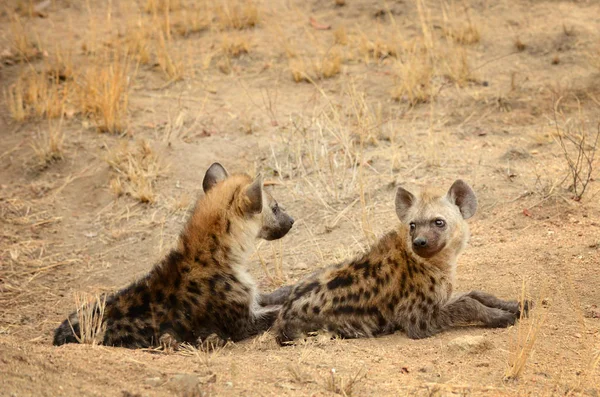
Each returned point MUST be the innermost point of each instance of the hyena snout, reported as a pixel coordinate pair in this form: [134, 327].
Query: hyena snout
[420, 242]
[276, 227]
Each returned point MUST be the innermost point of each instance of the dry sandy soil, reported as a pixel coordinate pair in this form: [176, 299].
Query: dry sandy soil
[337, 103]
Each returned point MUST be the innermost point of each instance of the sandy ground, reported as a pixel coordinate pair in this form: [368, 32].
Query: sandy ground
[335, 149]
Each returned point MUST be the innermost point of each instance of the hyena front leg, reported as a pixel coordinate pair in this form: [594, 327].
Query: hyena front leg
[490, 300]
[291, 325]
[463, 309]
[277, 297]
[460, 310]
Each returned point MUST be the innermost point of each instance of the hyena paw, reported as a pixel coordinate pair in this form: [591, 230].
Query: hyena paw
[168, 342]
[526, 305]
[503, 319]
[211, 342]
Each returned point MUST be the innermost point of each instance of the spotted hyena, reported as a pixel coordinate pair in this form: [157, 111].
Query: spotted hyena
[202, 286]
[405, 282]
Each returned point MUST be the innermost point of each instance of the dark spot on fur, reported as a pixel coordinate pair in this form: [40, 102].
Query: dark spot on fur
[227, 226]
[316, 310]
[194, 288]
[233, 196]
[346, 309]
[173, 300]
[177, 282]
[116, 314]
[367, 295]
[336, 300]
[227, 286]
[305, 307]
[423, 325]
[159, 296]
[413, 320]
[340, 281]
[174, 258]
[429, 300]
[306, 289]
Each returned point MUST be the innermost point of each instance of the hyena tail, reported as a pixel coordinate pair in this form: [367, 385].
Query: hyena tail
[68, 331]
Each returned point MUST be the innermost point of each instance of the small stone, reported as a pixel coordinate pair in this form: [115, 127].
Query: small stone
[154, 382]
[301, 266]
[184, 383]
[470, 344]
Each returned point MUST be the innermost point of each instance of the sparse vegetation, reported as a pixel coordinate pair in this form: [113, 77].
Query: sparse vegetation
[104, 93]
[237, 14]
[90, 314]
[49, 146]
[136, 170]
[579, 146]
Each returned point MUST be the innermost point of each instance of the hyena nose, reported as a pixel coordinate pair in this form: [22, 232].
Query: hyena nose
[420, 242]
[291, 221]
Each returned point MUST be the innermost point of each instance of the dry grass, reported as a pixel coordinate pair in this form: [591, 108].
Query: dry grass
[136, 170]
[414, 73]
[49, 146]
[37, 94]
[237, 14]
[156, 6]
[104, 93]
[90, 314]
[172, 65]
[523, 341]
[235, 45]
[22, 47]
[342, 386]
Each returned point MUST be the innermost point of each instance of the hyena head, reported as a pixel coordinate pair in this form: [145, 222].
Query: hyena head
[248, 198]
[436, 222]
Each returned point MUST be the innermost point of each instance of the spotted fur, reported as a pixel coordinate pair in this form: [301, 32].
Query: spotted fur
[405, 282]
[201, 287]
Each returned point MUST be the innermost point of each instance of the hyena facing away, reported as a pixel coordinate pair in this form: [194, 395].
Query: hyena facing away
[202, 286]
[404, 282]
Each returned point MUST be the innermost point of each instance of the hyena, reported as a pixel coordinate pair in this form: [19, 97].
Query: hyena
[405, 282]
[202, 286]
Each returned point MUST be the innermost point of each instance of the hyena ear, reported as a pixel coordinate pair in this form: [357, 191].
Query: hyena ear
[463, 196]
[254, 192]
[404, 200]
[215, 174]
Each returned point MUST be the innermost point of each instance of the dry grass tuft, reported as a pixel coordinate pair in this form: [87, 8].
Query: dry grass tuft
[22, 47]
[414, 73]
[330, 65]
[237, 14]
[235, 45]
[459, 30]
[37, 94]
[90, 314]
[104, 93]
[155, 6]
[339, 385]
[137, 169]
[524, 340]
[49, 146]
[172, 66]
[340, 36]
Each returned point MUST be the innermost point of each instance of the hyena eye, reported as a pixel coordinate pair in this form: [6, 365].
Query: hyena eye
[412, 226]
[440, 223]
[275, 208]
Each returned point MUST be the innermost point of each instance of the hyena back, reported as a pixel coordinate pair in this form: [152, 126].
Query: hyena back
[202, 286]
[405, 282]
